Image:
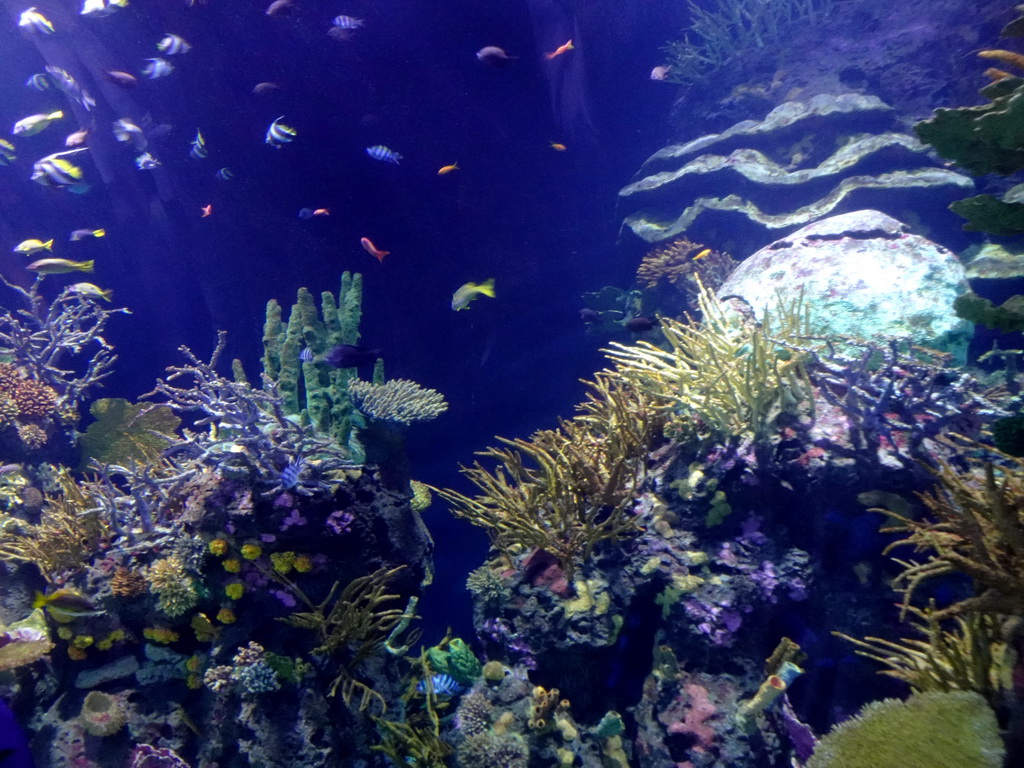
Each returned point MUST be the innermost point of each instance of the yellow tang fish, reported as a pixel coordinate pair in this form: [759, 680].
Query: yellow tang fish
[66, 605]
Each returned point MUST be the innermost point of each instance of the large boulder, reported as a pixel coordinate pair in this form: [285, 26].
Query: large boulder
[862, 275]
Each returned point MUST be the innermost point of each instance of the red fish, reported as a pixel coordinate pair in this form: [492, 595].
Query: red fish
[372, 249]
[322, 212]
[567, 46]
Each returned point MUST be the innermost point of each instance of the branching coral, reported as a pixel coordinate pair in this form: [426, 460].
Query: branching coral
[685, 265]
[246, 426]
[45, 338]
[723, 376]
[350, 626]
[971, 657]
[977, 529]
[718, 35]
[398, 401]
[580, 489]
[65, 538]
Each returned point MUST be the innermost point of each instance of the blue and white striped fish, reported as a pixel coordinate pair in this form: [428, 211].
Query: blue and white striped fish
[444, 685]
[224, 174]
[347, 22]
[290, 474]
[157, 67]
[172, 45]
[306, 355]
[279, 134]
[382, 153]
[198, 151]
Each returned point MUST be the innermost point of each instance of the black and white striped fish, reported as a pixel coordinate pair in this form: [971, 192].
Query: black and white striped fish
[347, 22]
[382, 153]
[38, 81]
[172, 45]
[157, 67]
[306, 355]
[198, 151]
[444, 685]
[290, 474]
[279, 134]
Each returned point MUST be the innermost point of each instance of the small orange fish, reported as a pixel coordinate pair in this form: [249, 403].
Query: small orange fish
[447, 169]
[558, 147]
[207, 210]
[567, 46]
[372, 249]
[706, 252]
[322, 212]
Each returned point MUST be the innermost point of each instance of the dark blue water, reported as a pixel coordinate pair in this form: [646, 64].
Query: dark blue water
[539, 221]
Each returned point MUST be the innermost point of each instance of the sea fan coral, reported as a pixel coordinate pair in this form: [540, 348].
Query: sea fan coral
[103, 714]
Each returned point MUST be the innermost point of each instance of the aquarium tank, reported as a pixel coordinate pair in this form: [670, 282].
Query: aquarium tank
[511, 384]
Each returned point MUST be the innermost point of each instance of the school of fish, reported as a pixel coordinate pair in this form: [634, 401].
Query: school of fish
[63, 170]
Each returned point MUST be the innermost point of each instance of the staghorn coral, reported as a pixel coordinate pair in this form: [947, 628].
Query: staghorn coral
[173, 585]
[398, 401]
[59, 344]
[722, 376]
[579, 491]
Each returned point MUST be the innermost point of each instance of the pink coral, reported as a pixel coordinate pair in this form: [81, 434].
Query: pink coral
[699, 710]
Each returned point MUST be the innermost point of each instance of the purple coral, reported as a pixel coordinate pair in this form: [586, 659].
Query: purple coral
[340, 521]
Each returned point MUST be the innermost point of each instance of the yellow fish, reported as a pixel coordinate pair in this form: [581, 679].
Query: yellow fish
[703, 254]
[29, 247]
[558, 147]
[66, 605]
[89, 289]
[448, 169]
[33, 124]
[60, 266]
[466, 293]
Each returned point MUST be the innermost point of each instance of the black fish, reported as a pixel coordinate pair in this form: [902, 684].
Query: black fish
[351, 356]
[640, 324]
